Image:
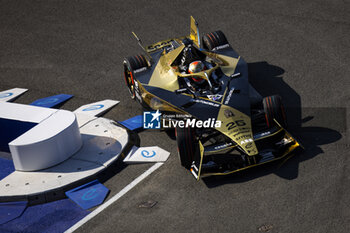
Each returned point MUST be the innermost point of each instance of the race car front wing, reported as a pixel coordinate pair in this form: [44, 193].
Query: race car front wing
[227, 158]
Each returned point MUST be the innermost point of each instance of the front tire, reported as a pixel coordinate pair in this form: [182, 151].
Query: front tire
[274, 109]
[130, 65]
[187, 145]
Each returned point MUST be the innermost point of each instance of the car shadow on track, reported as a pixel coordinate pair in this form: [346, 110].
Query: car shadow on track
[267, 80]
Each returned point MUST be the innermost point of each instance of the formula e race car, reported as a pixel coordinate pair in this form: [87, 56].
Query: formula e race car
[207, 81]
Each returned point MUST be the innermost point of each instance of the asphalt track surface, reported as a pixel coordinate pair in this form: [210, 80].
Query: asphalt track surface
[298, 49]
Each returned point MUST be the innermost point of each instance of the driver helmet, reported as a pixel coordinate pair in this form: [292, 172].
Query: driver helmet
[195, 67]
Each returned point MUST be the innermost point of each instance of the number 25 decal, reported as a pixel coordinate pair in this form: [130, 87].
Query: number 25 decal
[234, 124]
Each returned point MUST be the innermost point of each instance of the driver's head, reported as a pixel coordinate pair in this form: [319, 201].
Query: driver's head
[195, 67]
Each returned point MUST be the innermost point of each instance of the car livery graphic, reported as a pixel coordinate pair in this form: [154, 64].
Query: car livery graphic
[208, 79]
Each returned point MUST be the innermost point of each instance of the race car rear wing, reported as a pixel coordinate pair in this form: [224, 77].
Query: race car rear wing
[194, 33]
[194, 36]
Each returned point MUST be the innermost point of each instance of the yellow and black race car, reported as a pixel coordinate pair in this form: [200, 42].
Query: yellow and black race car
[208, 81]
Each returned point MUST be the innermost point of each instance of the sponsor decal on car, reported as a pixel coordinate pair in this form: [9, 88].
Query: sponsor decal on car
[206, 102]
[229, 96]
[223, 146]
[228, 113]
[214, 97]
[260, 135]
[158, 45]
[246, 141]
[140, 70]
[221, 47]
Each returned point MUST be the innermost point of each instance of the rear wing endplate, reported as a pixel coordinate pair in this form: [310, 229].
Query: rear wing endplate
[194, 32]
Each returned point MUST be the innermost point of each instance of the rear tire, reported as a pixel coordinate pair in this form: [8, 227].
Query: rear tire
[187, 145]
[274, 109]
[130, 65]
[214, 39]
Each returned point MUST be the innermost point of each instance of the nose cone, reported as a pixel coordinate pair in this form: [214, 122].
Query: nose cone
[237, 126]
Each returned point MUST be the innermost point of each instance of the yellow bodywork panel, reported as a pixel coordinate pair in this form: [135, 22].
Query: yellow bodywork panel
[237, 126]
[230, 64]
[194, 33]
[156, 103]
[164, 75]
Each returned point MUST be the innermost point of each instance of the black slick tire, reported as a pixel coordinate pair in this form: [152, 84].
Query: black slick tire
[213, 40]
[130, 65]
[186, 145]
[274, 109]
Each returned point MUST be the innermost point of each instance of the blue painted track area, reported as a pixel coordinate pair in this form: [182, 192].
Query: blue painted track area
[55, 216]
[51, 217]
[6, 167]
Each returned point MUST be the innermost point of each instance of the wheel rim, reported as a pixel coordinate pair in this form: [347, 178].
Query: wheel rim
[129, 80]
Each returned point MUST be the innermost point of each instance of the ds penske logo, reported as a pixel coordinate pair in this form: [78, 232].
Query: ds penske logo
[151, 120]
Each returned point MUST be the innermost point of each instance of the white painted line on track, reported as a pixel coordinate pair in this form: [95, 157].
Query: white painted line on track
[114, 198]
